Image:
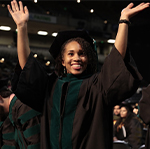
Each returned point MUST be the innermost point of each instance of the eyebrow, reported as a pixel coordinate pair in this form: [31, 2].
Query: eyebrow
[74, 50]
[71, 51]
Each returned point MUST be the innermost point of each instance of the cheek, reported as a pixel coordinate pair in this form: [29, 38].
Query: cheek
[85, 60]
[63, 61]
[125, 114]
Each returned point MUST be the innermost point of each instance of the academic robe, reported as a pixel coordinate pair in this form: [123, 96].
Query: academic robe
[21, 129]
[132, 133]
[144, 112]
[76, 110]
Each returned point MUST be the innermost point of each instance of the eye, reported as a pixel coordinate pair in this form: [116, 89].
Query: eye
[82, 53]
[70, 53]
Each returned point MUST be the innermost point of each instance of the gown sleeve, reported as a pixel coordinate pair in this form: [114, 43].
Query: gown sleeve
[144, 105]
[135, 134]
[30, 84]
[118, 79]
[27, 123]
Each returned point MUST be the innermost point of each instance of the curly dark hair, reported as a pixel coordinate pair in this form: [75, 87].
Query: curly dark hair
[5, 93]
[87, 49]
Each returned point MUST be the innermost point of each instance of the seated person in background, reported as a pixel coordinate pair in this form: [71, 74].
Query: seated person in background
[128, 127]
[116, 113]
[19, 124]
[136, 111]
[144, 108]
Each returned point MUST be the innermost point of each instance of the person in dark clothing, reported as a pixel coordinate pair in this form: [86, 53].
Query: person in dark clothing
[116, 113]
[19, 124]
[128, 128]
[144, 112]
[76, 101]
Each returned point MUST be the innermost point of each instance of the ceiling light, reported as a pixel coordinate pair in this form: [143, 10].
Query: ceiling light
[47, 63]
[42, 33]
[2, 60]
[105, 22]
[54, 34]
[35, 55]
[111, 41]
[78, 1]
[5, 28]
[92, 10]
[35, 1]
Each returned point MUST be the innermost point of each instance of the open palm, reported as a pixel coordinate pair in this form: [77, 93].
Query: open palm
[19, 14]
[130, 12]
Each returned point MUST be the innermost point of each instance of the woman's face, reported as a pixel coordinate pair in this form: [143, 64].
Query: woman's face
[74, 59]
[123, 112]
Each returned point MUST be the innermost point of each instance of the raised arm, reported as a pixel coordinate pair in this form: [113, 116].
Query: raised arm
[20, 15]
[122, 35]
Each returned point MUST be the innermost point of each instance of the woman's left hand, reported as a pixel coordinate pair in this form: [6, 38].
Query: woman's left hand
[129, 12]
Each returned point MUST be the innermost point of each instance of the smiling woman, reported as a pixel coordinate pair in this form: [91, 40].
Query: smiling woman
[74, 58]
[82, 56]
[73, 104]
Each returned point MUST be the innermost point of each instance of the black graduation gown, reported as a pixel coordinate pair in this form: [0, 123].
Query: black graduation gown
[133, 130]
[77, 110]
[144, 105]
[21, 129]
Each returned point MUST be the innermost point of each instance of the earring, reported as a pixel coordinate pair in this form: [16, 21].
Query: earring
[64, 70]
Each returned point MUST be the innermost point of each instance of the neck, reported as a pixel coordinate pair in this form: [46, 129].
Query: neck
[8, 101]
[11, 97]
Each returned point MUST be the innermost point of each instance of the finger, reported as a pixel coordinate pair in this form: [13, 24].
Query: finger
[13, 6]
[140, 4]
[143, 6]
[130, 5]
[21, 6]
[16, 5]
[9, 9]
[26, 10]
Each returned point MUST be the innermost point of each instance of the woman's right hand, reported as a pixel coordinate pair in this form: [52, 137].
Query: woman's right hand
[19, 13]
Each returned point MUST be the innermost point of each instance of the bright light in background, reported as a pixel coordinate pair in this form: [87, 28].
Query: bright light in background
[35, 55]
[5, 28]
[54, 34]
[111, 41]
[78, 1]
[105, 21]
[47, 63]
[2, 60]
[92, 10]
[42, 33]
[35, 1]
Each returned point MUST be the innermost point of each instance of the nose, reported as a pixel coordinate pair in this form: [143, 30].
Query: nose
[77, 57]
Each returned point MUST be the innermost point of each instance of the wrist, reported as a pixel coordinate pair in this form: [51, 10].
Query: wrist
[124, 21]
[22, 25]
[124, 17]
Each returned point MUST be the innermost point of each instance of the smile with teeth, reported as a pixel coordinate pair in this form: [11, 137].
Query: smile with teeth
[76, 66]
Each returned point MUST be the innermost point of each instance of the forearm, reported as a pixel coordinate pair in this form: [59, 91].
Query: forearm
[122, 39]
[122, 36]
[22, 44]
